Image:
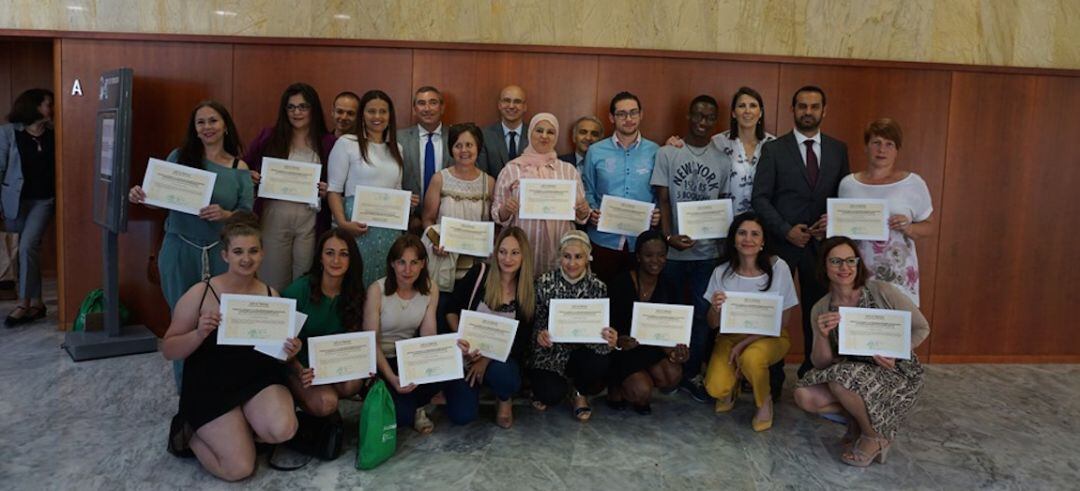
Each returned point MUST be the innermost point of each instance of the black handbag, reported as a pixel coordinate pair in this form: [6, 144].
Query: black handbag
[319, 437]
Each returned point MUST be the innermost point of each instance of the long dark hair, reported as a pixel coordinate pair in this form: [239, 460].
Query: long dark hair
[389, 134]
[192, 150]
[733, 127]
[281, 137]
[406, 241]
[731, 254]
[24, 110]
[350, 307]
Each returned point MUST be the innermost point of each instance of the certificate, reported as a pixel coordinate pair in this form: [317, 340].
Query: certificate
[870, 332]
[546, 199]
[578, 320]
[752, 313]
[624, 216]
[290, 181]
[467, 237]
[249, 320]
[662, 324]
[493, 335]
[277, 350]
[177, 187]
[429, 359]
[340, 357]
[859, 219]
[707, 219]
[381, 207]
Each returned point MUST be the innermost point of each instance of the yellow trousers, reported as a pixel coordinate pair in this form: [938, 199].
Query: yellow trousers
[754, 362]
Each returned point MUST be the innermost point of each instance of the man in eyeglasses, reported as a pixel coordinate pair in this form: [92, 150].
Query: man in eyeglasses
[506, 139]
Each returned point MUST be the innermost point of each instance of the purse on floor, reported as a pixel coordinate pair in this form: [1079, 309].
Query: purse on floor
[319, 437]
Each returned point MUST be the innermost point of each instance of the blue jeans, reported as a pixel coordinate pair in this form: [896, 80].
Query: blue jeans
[504, 379]
[693, 277]
[34, 216]
[462, 406]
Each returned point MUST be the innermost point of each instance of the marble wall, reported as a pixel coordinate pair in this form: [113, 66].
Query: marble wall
[1029, 33]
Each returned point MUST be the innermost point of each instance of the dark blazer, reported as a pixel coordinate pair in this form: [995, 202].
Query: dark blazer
[782, 195]
[570, 158]
[409, 138]
[494, 156]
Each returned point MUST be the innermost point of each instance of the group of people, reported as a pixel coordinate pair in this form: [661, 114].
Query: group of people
[349, 276]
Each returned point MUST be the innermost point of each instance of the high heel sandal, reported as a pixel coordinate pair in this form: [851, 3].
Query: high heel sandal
[582, 413]
[421, 423]
[850, 436]
[504, 421]
[858, 458]
[760, 425]
[725, 405]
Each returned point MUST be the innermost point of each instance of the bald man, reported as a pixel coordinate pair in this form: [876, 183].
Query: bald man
[506, 139]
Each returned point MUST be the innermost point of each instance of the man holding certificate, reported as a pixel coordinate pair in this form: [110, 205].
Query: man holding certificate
[752, 294]
[874, 393]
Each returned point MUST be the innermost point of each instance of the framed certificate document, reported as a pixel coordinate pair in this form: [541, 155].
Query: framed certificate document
[661, 324]
[290, 181]
[340, 357]
[381, 207]
[707, 219]
[578, 320]
[493, 335]
[870, 332]
[546, 199]
[429, 359]
[277, 350]
[752, 313]
[467, 237]
[249, 320]
[859, 219]
[177, 187]
[624, 216]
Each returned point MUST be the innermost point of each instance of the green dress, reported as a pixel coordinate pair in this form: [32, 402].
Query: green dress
[191, 248]
[323, 318]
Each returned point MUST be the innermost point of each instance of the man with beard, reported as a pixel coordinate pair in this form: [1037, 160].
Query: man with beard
[694, 171]
[797, 173]
[586, 131]
[346, 109]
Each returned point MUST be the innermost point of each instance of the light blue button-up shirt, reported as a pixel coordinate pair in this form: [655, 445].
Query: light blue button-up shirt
[619, 171]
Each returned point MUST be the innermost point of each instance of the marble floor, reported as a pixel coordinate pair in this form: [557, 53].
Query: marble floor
[103, 425]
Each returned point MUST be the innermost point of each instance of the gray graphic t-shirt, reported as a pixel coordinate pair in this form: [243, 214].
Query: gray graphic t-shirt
[692, 174]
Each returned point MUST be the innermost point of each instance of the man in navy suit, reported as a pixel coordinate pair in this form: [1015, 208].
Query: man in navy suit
[797, 173]
[505, 140]
[586, 131]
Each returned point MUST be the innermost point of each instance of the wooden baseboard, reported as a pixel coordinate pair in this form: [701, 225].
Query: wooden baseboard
[1004, 359]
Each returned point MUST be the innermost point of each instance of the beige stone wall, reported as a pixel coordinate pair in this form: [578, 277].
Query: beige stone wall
[1031, 33]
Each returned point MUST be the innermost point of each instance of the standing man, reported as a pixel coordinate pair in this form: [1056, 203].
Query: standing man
[346, 108]
[619, 166]
[797, 173]
[423, 147]
[505, 140]
[586, 131]
[696, 171]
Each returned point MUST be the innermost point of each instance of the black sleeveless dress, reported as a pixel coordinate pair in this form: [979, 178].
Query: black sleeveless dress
[220, 378]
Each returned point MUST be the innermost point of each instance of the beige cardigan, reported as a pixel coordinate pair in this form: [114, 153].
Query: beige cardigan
[889, 297]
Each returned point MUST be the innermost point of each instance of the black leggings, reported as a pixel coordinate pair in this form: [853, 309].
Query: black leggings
[587, 369]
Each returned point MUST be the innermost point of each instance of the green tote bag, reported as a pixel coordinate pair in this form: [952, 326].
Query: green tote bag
[378, 428]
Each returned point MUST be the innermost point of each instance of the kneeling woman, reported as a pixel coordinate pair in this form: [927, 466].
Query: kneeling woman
[505, 288]
[397, 306]
[748, 269]
[874, 393]
[637, 369]
[554, 367]
[228, 392]
[331, 294]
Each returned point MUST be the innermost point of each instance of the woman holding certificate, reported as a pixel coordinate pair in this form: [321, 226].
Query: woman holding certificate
[752, 343]
[539, 161]
[232, 395]
[892, 260]
[288, 226]
[636, 368]
[398, 306]
[331, 295]
[504, 287]
[876, 392]
[371, 157]
[557, 367]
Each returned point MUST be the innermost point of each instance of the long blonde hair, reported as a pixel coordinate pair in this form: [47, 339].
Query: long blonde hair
[526, 293]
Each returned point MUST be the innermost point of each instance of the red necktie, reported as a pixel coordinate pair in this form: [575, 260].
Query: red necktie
[811, 163]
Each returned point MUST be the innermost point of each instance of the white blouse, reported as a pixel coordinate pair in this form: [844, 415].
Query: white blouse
[347, 169]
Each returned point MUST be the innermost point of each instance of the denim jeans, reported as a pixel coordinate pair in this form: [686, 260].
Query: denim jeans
[693, 277]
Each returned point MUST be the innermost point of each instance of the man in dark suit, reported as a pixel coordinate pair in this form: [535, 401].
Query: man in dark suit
[586, 131]
[797, 173]
[505, 140]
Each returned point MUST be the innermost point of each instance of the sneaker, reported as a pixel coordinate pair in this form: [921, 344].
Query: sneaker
[695, 389]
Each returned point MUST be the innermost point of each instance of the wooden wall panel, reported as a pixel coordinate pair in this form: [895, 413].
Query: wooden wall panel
[561, 84]
[1009, 221]
[170, 78]
[261, 73]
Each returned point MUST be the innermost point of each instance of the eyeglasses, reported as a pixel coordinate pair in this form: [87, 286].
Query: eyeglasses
[305, 107]
[627, 114]
[836, 262]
